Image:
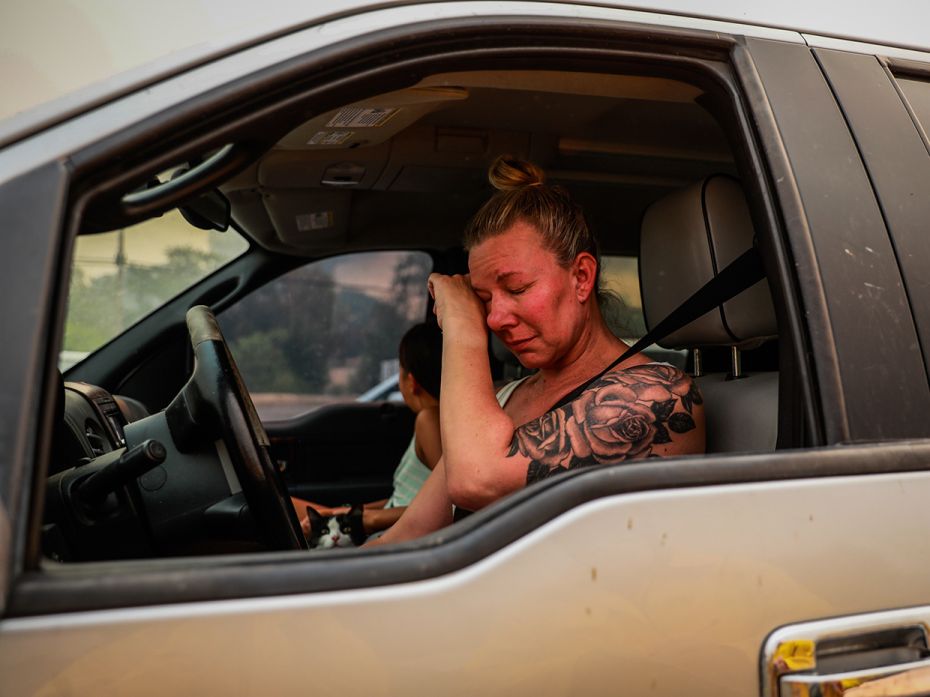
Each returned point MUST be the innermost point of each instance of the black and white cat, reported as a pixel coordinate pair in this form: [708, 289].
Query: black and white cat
[344, 530]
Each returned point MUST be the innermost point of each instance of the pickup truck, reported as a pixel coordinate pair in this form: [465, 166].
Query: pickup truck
[289, 184]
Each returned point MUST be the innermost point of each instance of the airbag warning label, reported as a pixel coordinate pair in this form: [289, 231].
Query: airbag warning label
[361, 117]
[329, 137]
[319, 220]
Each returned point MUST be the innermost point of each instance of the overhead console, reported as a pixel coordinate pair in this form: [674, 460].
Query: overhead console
[371, 121]
[325, 181]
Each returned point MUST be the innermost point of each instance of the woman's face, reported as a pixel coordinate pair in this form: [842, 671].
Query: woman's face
[531, 302]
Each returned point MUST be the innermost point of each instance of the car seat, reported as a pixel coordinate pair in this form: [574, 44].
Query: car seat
[687, 238]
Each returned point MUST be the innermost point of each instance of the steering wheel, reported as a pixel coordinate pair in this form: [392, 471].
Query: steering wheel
[215, 398]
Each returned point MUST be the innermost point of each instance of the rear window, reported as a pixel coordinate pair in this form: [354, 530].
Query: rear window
[917, 93]
[624, 310]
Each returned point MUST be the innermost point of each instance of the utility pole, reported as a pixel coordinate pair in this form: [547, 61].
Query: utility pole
[121, 277]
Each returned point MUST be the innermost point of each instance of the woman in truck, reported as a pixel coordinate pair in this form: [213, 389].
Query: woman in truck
[533, 281]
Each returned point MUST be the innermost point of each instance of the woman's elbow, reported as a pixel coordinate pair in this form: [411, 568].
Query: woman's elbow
[473, 492]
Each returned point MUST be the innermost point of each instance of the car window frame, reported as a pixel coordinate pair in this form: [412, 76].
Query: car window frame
[137, 579]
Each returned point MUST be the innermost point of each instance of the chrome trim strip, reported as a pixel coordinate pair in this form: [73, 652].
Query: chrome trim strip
[815, 41]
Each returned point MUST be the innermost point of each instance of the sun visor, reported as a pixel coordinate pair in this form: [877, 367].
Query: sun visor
[370, 121]
[359, 168]
[308, 218]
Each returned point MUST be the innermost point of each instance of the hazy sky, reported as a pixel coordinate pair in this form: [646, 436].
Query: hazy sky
[50, 48]
[145, 244]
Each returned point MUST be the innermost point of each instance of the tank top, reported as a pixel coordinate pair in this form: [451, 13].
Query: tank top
[409, 476]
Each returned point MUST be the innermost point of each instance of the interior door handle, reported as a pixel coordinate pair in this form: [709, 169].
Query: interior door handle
[885, 654]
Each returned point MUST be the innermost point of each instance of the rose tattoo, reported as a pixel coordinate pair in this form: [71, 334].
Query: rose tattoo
[620, 416]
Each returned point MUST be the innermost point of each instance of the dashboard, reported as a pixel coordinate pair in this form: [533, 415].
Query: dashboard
[92, 424]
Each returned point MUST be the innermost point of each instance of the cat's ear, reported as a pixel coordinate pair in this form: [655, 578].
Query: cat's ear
[314, 517]
[356, 520]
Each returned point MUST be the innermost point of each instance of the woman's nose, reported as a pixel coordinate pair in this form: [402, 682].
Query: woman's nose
[499, 316]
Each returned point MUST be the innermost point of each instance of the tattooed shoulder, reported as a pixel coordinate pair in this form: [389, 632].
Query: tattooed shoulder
[623, 415]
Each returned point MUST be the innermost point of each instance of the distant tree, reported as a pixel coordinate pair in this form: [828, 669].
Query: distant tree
[295, 313]
[88, 325]
[264, 363]
[624, 321]
[101, 307]
[409, 285]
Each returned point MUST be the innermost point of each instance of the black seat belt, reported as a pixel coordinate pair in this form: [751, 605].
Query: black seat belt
[737, 276]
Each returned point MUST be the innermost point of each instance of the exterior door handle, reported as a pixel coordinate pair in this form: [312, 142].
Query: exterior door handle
[911, 682]
[883, 654]
[888, 681]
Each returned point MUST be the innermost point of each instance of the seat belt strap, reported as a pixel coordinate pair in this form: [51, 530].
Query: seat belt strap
[740, 274]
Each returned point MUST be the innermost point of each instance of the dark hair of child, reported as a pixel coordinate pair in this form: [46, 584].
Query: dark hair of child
[420, 353]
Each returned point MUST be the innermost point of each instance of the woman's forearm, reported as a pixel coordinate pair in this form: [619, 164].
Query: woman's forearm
[430, 510]
[476, 432]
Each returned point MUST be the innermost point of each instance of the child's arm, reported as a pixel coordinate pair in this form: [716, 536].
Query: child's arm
[300, 507]
[375, 519]
[427, 441]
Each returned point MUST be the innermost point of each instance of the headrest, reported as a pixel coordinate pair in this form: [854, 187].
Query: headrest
[687, 237]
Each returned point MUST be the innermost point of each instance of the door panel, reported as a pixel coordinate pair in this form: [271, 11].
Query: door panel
[899, 168]
[865, 347]
[661, 592]
[342, 453]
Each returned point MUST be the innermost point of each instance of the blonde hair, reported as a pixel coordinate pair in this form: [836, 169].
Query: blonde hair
[523, 195]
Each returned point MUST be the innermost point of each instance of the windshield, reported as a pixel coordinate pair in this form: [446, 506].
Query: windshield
[119, 277]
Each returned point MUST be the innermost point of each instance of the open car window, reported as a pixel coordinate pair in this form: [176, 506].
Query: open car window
[328, 331]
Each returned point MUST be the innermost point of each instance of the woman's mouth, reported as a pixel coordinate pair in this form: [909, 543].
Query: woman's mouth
[517, 344]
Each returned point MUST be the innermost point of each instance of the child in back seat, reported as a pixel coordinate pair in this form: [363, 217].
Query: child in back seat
[420, 356]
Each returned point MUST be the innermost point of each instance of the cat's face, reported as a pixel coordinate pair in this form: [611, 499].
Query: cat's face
[331, 534]
[336, 531]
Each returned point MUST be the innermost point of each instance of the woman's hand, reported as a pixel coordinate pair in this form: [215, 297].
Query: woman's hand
[457, 308]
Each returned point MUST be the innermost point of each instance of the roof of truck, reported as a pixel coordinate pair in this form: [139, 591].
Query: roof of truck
[59, 58]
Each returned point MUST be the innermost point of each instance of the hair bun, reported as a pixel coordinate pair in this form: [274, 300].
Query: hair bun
[508, 173]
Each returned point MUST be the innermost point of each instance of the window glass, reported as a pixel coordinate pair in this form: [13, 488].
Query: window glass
[917, 93]
[624, 310]
[327, 331]
[119, 277]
